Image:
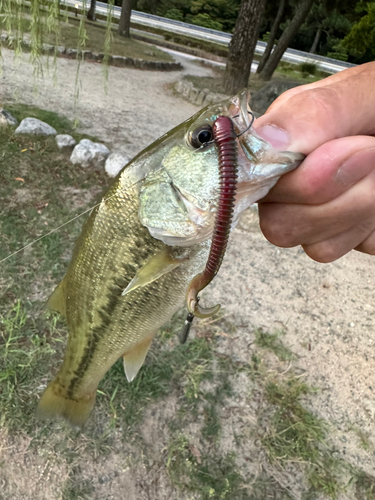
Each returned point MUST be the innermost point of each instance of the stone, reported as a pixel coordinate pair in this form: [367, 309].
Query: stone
[6, 118]
[35, 126]
[114, 163]
[179, 86]
[186, 89]
[88, 153]
[48, 48]
[87, 55]
[96, 57]
[200, 98]
[262, 99]
[129, 61]
[71, 53]
[119, 61]
[65, 141]
[193, 95]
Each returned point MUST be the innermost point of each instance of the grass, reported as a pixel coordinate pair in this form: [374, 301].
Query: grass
[34, 182]
[273, 342]
[119, 46]
[285, 71]
[200, 381]
[214, 477]
[95, 40]
[296, 435]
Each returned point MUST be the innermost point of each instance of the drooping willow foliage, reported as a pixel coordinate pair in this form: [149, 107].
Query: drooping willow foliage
[29, 24]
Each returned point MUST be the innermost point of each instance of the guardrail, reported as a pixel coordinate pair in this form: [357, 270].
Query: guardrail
[290, 55]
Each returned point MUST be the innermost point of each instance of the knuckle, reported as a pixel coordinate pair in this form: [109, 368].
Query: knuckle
[276, 231]
[320, 105]
[323, 252]
[368, 245]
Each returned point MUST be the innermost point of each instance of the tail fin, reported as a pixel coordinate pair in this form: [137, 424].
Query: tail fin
[52, 405]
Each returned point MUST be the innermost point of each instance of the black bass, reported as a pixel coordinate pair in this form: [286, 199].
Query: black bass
[142, 246]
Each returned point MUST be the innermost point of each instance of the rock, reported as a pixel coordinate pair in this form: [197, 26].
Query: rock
[6, 118]
[87, 55]
[119, 61]
[200, 98]
[65, 141]
[262, 99]
[35, 126]
[71, 53]
[114, 163]
[88, 153]
[47, 48]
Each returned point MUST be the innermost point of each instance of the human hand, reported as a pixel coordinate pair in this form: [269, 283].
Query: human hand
[327, 205]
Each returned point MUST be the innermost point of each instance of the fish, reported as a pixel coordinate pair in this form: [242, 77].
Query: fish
[143, 244]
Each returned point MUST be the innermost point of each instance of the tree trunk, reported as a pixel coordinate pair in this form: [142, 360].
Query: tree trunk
[290, 32]
[124, 23]
[272, 37]
[314, 46]
[91, 13]
[242, 45]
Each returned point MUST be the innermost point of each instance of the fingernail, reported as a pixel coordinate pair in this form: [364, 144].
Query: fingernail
[277, 137]
[356, 167]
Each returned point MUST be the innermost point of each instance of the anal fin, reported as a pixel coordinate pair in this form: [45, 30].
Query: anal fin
[134, 359]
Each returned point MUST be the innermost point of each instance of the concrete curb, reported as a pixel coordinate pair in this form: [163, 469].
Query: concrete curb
[119, 61]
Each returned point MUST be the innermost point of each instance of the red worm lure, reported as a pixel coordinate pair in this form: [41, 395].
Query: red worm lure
[225, 139]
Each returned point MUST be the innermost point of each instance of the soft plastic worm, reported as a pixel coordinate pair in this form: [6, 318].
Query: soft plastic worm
[225, 139]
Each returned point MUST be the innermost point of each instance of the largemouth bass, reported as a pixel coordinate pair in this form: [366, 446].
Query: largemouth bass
[143, 244]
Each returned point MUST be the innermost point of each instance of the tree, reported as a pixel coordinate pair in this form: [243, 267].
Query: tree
[300, 14]
[272, 36]
[361, 38]
[124, 23]
[91, 13]
[242, 45]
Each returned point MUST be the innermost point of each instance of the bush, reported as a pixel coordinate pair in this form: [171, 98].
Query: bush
[175, 14]
[307, 68]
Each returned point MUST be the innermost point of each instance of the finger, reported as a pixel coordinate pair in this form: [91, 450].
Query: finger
[368, 245]
[337, 77]
[327, 172]
[323, 113]
[288, 225]
[333, 248]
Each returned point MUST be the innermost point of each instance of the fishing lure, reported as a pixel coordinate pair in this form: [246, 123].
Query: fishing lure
[225, 138]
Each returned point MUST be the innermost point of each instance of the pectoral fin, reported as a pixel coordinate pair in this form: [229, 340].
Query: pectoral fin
[134, 359]
[57, 300]
[160, 264]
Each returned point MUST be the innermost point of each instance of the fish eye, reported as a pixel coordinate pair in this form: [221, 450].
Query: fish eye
[200, 136]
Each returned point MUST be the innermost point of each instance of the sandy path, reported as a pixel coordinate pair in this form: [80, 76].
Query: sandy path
[326, 310]
[134, 112]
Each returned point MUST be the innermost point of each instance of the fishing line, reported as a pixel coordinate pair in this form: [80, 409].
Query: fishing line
[56, 229]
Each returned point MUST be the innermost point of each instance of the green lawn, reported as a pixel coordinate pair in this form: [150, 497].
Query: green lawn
[95, 39]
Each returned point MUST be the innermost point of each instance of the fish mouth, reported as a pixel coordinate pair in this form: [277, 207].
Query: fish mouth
[259, 164]
[240, 112]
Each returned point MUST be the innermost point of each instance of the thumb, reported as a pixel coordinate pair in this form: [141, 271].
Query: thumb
[315, 114]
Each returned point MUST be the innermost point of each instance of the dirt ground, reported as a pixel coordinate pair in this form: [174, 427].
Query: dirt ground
[327, 311]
